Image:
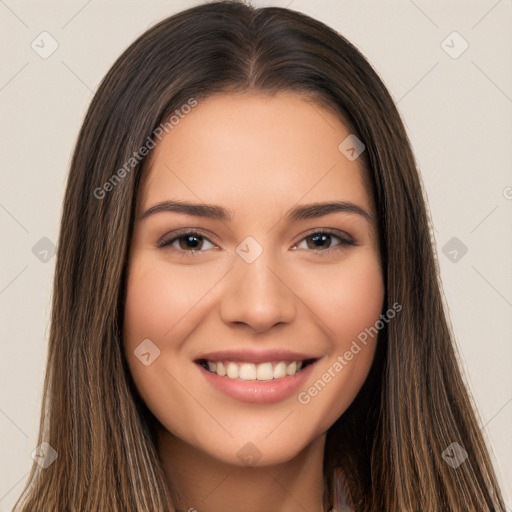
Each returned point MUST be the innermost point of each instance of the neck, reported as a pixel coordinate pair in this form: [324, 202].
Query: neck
[203, 483]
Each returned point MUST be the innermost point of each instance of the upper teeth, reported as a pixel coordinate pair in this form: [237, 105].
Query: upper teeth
[251, 371]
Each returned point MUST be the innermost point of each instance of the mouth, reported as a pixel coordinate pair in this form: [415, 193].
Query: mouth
[262, 371]
[258, 378]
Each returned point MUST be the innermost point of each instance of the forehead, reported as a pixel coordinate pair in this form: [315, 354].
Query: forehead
[254, 151]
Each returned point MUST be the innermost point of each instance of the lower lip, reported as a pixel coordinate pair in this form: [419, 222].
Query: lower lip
[260, 392]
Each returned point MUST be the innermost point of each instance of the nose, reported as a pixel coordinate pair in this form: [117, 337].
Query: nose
[257, 294]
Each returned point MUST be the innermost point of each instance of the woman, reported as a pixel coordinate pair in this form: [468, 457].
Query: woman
[207, 352]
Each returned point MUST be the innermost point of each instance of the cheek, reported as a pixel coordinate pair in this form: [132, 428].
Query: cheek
[361, 297]
[349, 305]
[156, 300]
[148, 315]
[348, 298]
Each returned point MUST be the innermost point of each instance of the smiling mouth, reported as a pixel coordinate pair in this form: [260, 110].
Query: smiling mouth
[271, 370]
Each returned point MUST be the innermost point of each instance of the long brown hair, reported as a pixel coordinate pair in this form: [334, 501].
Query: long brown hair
[414, 403]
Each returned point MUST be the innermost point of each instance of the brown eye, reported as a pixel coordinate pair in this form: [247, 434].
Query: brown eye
[186, 241]
[322, 240]
[193, 242]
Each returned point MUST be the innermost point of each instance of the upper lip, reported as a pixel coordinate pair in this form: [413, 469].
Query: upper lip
[255, 356]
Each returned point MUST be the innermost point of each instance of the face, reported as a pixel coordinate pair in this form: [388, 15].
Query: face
[261, 286]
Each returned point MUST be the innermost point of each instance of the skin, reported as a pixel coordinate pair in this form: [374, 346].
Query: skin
[259, 156]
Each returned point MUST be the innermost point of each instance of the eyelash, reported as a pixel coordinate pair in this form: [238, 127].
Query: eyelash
[167, 242]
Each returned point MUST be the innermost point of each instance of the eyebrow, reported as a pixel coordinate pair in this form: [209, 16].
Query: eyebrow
[309, 211]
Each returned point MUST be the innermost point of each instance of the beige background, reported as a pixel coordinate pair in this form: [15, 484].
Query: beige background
[457, 112]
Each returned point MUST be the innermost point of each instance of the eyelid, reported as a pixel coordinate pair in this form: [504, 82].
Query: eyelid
[342, 235]
[170, 238]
